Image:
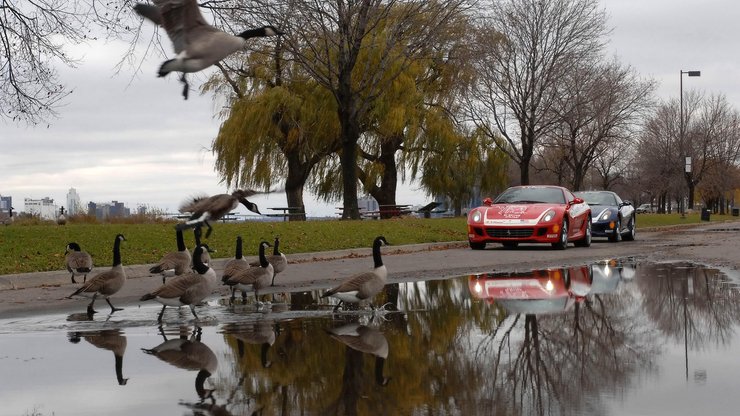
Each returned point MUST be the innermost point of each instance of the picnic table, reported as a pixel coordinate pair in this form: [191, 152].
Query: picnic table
[286, 212]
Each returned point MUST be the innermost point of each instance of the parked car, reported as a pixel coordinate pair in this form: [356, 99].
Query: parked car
[645, 208]
[613, 217]
[531, 214]
[548, 291]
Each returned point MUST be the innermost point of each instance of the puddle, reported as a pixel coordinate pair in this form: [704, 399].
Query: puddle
[610, 338]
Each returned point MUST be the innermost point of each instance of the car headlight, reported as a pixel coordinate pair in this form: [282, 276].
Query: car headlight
[605, 215]
[549, 215]
[476, 216]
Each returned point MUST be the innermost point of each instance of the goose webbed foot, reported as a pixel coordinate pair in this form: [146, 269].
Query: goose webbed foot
[91, 311]
[113, 308]
[336, 308]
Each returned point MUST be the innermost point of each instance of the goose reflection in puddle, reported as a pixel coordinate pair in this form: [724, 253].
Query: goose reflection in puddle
[262, 332]
[363, 339]
[108, 339]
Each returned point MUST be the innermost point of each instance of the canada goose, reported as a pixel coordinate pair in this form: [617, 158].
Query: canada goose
[277, 259]
[362, 286]
[197, 44]
[235, 265]
[7, 219]
[78, 262]
[365, 339]
[187, 289]
[61, 219]
[205, 257]
[261, 332]
[253, 277]
[188, 354]
[108, 339]
[107, 283]
[175, 262]
[203, 208]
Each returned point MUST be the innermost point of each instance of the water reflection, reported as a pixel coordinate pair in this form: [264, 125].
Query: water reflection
[108, 339]
[188, 353]
[602, 338]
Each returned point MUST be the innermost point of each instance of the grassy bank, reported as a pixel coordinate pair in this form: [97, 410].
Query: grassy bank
[32, 248]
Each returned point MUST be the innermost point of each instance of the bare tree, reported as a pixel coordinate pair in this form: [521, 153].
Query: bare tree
[599, 106]
[526, 48]
[33, 36]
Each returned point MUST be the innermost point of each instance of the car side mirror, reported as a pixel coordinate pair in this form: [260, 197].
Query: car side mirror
[576, 200]
[627, 203]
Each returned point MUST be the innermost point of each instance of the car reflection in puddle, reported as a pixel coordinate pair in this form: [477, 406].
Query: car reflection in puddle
[616, 337]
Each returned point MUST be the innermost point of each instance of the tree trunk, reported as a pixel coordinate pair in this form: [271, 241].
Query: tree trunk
[385, 194]
[350, 131]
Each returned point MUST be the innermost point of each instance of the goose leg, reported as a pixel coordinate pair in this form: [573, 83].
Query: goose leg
[84, 278]
[185, 87]
[336, 308]
[90, 309]
[73, 278]
[159, 318]
[112, 308]
[192, 309]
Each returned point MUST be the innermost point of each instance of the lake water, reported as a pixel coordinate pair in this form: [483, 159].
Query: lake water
[618, 337]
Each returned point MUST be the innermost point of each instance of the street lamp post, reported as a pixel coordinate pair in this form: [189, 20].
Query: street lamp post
[680, 131]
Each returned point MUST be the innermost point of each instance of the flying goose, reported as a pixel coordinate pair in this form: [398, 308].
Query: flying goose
[188, 354]
[108, 339]
[174, 263]
[202, 209]
[362, 286]
[107, 283]
[235, 265]
[277, 259]
[197, 44]
[364, 339]
[253, 277]
[187, 289]
[78, 262]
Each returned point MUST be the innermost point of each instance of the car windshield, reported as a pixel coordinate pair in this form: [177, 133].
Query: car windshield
[531, 196]
[597, 198]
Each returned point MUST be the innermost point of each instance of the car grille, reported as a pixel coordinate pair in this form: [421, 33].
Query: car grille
[510, 232]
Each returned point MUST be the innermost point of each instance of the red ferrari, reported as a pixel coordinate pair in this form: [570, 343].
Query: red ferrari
[531, 214]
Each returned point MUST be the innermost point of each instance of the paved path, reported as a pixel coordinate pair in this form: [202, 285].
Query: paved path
[715, 244]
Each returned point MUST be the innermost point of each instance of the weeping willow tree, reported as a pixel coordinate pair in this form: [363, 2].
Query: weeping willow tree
[464, 167]
[404, 121]
[279, 126]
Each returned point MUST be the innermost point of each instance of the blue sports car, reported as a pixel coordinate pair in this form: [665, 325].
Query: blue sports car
[611, 216]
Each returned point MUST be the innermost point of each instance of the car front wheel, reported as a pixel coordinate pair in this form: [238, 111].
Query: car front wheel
[617, 236]
[477, 246]
[562, 243]
[586, 240]
[630, 234]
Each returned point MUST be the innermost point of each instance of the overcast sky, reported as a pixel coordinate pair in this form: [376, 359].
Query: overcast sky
[132, 138]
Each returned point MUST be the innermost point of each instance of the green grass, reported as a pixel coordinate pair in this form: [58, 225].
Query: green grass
[33, 248]
[40, 247]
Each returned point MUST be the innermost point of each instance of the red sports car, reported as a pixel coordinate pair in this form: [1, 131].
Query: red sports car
[531, 214]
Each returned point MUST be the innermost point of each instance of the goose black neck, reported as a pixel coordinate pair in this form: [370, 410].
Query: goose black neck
[180, 240]
[198, 261]
[376, 254]
[253, 33]
[263, 354]
[200, 381]
[197, 232]
[275, 249]
[119, 370]
[263, 259]
[238, 253]
[379, 364]
[117, 252]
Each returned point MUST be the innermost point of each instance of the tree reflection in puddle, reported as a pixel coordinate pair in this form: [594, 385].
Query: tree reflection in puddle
[611, 338]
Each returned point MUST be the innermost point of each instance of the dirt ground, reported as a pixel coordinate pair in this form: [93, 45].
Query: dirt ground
[716, 244]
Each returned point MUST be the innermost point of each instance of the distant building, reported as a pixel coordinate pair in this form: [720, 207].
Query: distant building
[44, 208]
[5, 203]
[103, 211]
[74, 206]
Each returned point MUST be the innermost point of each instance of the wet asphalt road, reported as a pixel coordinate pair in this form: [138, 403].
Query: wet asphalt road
[716, 244]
